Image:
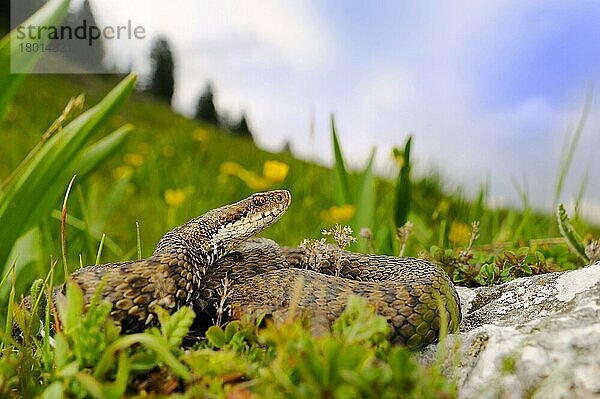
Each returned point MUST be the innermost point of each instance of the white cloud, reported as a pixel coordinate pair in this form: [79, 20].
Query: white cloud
[291, 28]
[286, 32]
[386, 89]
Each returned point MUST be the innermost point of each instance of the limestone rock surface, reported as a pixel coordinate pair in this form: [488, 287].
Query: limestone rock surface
[533, 337]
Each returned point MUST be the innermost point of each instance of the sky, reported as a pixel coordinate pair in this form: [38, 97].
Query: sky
[491, 91]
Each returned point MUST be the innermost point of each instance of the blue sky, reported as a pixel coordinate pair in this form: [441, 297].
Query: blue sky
[488, 89]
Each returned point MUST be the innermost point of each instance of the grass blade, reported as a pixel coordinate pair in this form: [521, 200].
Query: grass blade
[100, 248]
[365, 200]
[63, 228]
[9, 311]
[32, 193]
[581, 192]
[567, 157]
[92, 233]
[138, 240]
[95, 154]
[155, 344]
[341, 186]
[403, 186]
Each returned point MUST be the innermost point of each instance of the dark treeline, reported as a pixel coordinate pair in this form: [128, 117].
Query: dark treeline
[162, 84]
[162, 65]
[206, 111]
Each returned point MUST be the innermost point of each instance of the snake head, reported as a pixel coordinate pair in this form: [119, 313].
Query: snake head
[251, 215]
[260, 210]
[211, 236]
[238, 222]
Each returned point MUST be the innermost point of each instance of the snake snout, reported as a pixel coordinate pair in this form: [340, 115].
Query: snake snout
[283, 197]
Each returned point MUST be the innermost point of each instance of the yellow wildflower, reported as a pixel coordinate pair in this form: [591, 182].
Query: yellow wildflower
[254, 181]
[230, 168]
[398, 156]
[275, 171]
[122, 172]
[135, 160]
[441, 211]
[459, 233]
[337, 214]
[175, 197]
[200, 135]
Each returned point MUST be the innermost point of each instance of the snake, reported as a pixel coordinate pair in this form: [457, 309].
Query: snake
[196, 261]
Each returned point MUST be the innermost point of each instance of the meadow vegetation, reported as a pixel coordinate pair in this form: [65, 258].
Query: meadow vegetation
[150, 169]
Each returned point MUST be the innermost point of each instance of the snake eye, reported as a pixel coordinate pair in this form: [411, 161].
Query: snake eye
[258, 200]
[279, 197]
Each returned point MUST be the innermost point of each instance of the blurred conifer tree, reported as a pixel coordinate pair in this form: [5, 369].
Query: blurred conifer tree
[162, 81]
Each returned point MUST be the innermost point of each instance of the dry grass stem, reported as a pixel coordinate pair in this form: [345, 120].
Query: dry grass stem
[342, 235]
[403, 234]
[367, 234]
[224, 293]
[75, 103]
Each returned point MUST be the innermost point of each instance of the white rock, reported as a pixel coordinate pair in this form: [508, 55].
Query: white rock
[533, 337]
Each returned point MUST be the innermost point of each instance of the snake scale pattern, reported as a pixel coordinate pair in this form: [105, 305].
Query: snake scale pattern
[191, 261]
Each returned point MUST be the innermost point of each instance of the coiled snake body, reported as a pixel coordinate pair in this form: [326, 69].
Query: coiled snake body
[192, 260]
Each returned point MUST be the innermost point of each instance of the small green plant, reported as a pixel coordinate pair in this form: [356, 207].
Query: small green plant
[570, 235]
[475, 267]
[480, 268]
[87, 336]
[89, 357]
[355, 360]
